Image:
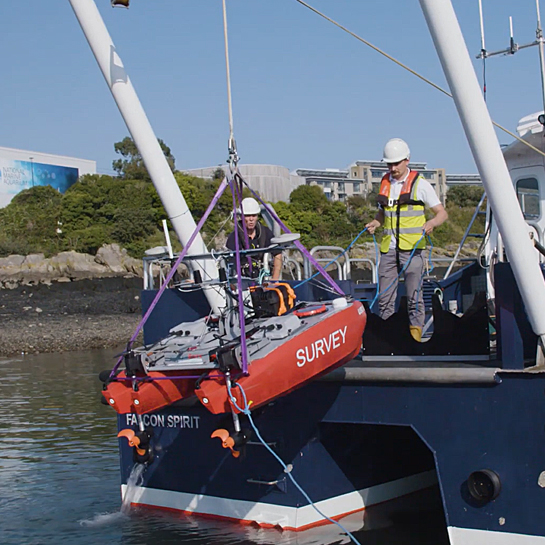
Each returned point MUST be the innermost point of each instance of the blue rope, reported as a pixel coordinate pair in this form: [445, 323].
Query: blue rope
[430, 262]
[378, 279]
[376, 264]
[333, 260]
[287, 470]
[400, 272]
[262, 275]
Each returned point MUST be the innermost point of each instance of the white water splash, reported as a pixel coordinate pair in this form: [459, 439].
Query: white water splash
[103, 519]
[131, 493]
[132, 489]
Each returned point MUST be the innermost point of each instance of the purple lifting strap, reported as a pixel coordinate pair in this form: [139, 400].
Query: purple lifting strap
[303, 250]
[218, 194]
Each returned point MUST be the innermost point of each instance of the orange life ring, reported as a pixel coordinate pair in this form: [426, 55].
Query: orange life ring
[310, 311]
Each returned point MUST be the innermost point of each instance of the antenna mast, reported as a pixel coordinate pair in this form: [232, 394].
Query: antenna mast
[514, 47]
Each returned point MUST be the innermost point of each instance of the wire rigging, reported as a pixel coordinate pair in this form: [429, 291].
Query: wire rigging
[413, 72]
[233, 155]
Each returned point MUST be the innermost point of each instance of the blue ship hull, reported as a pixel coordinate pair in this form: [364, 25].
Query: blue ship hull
[354, 445]
[378, 429]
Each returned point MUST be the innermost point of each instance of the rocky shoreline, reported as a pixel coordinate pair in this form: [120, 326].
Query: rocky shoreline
[65, 316]
[77, 301]
[68, 302]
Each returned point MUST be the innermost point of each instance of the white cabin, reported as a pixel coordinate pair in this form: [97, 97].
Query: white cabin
[527, 170]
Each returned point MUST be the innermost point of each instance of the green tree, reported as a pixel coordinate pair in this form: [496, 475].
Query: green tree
[131, 166]
[371, 197]
[355, 202]
[29, 223]
[308, 197]
[218, 174]
[464, 195]
[318, 220]
[127, 210]
[360, 211]
[101, 209]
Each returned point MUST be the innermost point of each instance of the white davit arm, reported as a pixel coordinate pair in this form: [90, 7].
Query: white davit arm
[142, 133]
[464, 86]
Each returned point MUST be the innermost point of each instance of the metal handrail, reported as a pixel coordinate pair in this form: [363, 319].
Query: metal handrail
[500, 250]
[455, 258]
[288, 261]
[340, 270]
[538, 229]
[539, 233]
[366, 260]
[148, 274]
[346, 265]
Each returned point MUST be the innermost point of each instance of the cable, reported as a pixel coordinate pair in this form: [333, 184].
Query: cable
[218, 232]
[287, 469]
[325, 287]
[232, 146]
[413, 72]
[400, 272]
[333, 260]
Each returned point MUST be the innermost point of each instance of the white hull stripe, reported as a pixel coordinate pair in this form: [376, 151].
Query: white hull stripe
[469, 536]
[278, 515]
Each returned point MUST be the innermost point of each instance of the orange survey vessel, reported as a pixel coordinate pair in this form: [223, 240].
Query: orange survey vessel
[284, 353]
[326, 340]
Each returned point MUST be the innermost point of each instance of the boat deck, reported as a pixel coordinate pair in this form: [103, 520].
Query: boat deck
[436, 370]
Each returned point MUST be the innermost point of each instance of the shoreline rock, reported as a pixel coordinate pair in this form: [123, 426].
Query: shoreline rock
[76, 301]
[80, 315]
[110, 261]
[66, 333]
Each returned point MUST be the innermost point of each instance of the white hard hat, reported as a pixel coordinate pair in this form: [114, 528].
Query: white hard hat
[250, 206]
[395, 150]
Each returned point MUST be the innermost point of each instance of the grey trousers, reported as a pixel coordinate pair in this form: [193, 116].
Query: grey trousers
[388, 276]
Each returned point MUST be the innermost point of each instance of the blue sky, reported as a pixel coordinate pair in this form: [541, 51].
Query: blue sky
[305, 94]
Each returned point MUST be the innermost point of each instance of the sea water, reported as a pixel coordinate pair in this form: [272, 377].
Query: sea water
[59, 473]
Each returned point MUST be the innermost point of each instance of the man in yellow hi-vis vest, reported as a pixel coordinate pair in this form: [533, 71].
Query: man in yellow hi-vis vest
[403, 196]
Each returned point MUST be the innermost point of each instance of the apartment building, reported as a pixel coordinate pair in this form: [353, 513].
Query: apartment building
[335, 183]
[371, 173]
[363, 177]
[463, 179]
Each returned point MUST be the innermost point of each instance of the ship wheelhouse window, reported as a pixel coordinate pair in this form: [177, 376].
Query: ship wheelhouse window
[528, 196]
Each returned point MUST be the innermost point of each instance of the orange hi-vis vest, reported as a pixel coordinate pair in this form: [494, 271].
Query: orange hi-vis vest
[403, 218]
